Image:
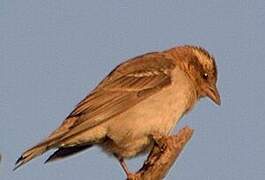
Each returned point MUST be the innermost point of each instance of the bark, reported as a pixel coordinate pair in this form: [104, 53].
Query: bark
[162, 156]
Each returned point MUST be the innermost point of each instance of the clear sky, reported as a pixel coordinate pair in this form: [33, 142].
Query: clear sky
[53, 52]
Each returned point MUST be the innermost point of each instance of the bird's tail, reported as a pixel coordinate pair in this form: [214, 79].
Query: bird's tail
[31, 153]
[43, 147]
[39, 149]
[50, 142]
[64, 152]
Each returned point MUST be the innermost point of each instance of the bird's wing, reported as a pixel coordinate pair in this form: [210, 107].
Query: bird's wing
[127, 85]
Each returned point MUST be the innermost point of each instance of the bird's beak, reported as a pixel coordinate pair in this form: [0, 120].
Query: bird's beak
[213, 94]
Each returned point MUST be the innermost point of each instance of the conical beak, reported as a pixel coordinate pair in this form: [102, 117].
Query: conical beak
[213, 94]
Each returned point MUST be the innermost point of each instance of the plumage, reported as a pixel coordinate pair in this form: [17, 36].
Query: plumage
[144, 95]
[67, 151]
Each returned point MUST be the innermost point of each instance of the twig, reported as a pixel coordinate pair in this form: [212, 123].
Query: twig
[163, 156]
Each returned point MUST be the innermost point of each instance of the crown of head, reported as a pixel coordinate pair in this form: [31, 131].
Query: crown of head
[204, 57]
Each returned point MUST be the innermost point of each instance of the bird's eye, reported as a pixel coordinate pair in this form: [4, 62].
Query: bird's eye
[205, 76]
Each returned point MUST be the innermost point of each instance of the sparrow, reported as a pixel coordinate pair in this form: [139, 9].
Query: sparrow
[142, 96]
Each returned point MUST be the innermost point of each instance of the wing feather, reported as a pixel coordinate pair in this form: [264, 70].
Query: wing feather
[127, 85]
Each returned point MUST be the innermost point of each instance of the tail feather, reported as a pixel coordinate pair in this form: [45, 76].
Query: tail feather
[64, 152]
[52, 141]
[46, 144]
[30, 154]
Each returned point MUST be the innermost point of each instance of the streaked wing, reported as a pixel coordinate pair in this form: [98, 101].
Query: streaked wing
[127, 85]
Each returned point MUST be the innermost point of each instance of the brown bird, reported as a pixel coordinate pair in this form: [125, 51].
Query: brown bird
[143, 96]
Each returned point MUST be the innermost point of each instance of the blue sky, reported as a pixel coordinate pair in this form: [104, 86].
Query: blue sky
[53, 52]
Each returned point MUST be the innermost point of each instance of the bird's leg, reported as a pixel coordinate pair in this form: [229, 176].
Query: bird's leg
[123, 164]
[157, 139]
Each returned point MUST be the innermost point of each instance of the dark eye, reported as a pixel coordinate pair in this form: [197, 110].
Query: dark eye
[205, 76]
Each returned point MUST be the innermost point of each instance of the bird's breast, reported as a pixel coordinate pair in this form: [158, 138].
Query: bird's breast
[129, 133]
[159, 113]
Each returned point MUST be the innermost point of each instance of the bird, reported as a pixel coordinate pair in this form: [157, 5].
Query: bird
[140, 97]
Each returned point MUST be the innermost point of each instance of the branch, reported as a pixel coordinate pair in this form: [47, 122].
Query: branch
[163, 155]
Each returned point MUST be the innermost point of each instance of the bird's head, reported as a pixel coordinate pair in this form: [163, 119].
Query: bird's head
[203, 71]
